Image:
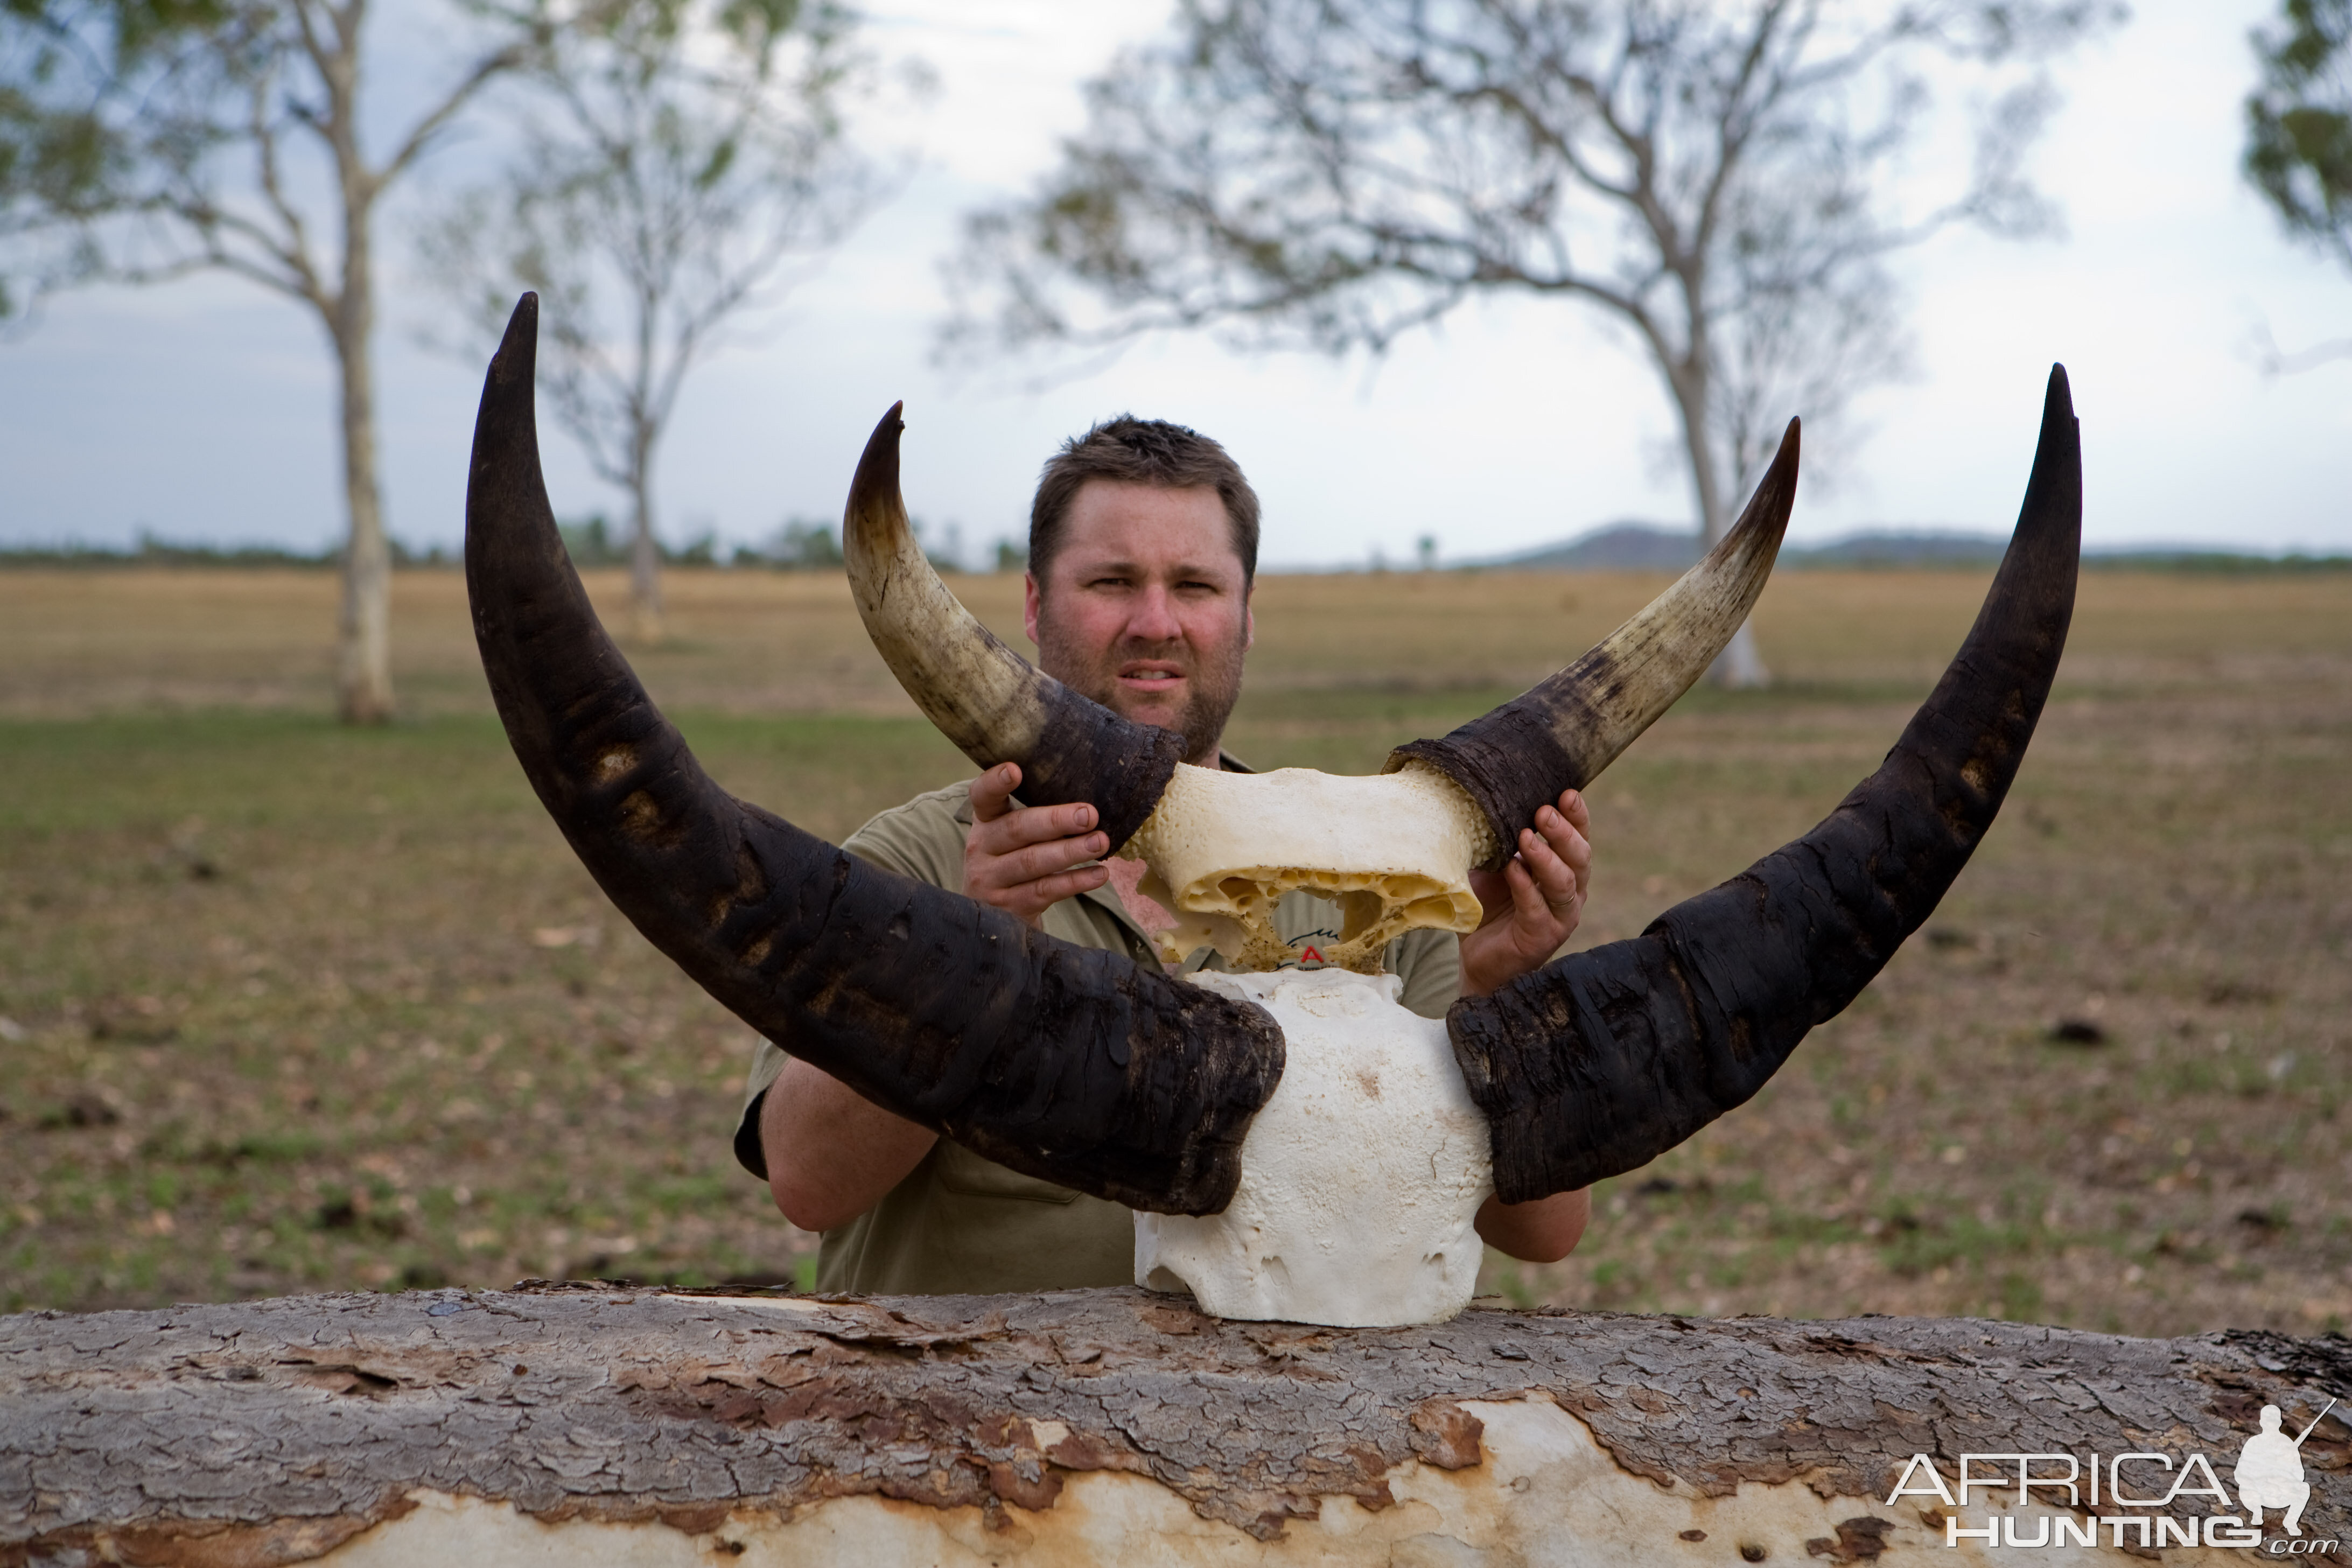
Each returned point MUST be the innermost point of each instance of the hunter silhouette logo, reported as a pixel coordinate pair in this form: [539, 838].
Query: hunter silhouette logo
[2128, 1497]
[2270, 1471]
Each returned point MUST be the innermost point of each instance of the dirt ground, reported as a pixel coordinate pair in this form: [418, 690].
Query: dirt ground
[287, 1007]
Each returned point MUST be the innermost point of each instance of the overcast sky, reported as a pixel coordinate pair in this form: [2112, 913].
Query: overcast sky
[204, 410]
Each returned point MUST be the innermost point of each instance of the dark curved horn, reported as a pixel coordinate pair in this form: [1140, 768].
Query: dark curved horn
[992, 704]
[1598, 1062]
[1559, 734]
[1075, 1066]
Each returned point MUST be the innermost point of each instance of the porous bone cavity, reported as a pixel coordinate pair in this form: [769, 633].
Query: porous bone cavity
[1394, 850]
[1360, 1179]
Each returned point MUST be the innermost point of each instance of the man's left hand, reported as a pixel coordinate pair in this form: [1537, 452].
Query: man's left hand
[1533, 904]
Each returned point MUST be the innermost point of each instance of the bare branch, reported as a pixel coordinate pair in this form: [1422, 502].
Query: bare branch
[658, 195]
[294, 253]
[2274, 360]
[306, 28]
[294, 276]
[486, 69]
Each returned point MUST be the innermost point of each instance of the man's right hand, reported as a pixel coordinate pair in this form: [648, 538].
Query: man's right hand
[1025, 859]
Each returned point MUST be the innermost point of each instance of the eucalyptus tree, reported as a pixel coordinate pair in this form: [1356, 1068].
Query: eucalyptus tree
[2299, 135]
[677, 163]
[1724, 181]
[141, 140]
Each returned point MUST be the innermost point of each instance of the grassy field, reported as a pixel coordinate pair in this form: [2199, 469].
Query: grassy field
[285, 1007]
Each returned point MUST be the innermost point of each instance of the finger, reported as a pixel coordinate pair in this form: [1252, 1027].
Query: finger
[1560, 830]
[1578, 851]
[1565, 843]
[1036, 897]
[1530, 908]
[1554, 876]
[992, 792]
[1041, 860]
[1033, 825]
[1054, 856]
[1565, 840]
[1028, 898]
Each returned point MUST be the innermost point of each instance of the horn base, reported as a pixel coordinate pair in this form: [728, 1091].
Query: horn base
[1511, 762]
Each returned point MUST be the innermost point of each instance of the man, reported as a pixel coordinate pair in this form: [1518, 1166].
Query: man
[1142, 557]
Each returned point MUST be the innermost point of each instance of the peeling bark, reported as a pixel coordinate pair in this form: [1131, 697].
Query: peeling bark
[271, 1432]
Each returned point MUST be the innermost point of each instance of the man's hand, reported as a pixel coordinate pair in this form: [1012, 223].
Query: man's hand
[1533, 904]
[1025, 859]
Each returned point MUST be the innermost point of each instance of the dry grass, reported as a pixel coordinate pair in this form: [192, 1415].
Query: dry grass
[290, 1007]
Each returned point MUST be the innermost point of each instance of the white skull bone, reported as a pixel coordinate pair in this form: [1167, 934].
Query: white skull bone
[1362, 1178]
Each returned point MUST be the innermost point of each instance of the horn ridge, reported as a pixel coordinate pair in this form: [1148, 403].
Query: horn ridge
[1601, 1061]
[992, 702]
[1077, 1066]
[1561, 732]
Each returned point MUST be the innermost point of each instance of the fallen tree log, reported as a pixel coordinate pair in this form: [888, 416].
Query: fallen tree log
[600, 1424]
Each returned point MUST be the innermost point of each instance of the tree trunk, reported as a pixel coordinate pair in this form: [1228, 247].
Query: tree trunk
[646, 619]
[363, 647]
[363, 633]
[646, 622]
[1119, 1427]
[1740, 666]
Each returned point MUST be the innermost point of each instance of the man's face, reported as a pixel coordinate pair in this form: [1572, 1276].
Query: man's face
[1143, 608]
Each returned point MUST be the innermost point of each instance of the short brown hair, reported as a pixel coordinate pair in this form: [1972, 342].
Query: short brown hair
[1127, 450]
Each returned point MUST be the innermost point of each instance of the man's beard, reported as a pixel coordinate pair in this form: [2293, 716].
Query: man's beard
[1213, 682]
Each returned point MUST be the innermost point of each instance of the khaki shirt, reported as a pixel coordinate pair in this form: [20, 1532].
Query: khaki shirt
[959, 1224]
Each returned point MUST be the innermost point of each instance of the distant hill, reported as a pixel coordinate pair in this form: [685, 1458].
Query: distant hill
[1628, 546]
[1883, 547]
[1649, 547]
[1618, 547]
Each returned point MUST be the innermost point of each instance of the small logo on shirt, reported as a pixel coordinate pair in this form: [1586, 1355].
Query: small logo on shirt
[1309, 955]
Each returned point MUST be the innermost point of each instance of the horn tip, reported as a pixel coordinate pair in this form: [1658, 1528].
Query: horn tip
[2058, 418]
[518, 348]
[876, 480]
[2058, 399]
[886, 430]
